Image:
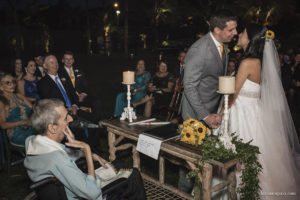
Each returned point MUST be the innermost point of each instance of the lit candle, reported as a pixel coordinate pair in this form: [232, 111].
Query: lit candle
[226, 84]
[128, 77]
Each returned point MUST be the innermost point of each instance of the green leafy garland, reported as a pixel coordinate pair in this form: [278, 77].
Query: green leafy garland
[246, 154]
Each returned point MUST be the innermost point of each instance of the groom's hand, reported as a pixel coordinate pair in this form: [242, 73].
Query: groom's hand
[213, 120]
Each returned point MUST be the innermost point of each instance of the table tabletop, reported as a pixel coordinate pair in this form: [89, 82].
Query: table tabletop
[174, 146]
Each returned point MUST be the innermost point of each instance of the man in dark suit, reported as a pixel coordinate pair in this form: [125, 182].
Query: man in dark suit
[179, 69]
[40, 71]
[75, 79]
[53, 86]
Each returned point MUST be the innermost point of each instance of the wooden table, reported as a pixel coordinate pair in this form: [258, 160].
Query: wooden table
[176, 152]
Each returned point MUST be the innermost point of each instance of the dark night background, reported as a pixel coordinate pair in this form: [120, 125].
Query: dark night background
[107, 39]
[32, 27]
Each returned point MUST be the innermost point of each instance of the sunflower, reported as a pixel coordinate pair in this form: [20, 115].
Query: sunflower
[200, 129]
[270, 34]
[189, 122]
[188, 137]
[192, 131]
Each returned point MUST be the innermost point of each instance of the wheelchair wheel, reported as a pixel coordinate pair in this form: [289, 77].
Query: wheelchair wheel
[31, 196]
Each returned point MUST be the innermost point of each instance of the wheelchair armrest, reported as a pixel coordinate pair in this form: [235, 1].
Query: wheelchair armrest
[42, 182]
[114, 185]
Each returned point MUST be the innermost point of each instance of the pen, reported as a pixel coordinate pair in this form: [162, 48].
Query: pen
[143, 121]
[153, 123]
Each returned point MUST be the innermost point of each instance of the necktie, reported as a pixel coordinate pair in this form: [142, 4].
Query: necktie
[221, 50]
[67, 100]
[72, 77]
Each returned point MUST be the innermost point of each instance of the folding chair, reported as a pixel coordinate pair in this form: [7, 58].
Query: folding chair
[11, 148]
[175, 101]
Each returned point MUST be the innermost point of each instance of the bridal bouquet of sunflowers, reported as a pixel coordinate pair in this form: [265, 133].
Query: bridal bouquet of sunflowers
[193, 132]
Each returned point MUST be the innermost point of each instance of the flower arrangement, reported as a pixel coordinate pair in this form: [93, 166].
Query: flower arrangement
[270, 34]
[193, 132]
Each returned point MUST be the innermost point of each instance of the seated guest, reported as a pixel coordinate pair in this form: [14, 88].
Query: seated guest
[141, 78]
[14, 111]
[231, 67]
[17, 69]
[179, 69]
[52, 86]
[40, 71]
[160, 89]
[27, 86]
[47, 157]
[74, 77]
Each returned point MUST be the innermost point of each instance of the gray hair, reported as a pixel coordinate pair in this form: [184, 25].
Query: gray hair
[44, 114]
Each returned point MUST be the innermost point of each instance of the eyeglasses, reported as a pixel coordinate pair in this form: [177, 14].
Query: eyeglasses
[10, 82]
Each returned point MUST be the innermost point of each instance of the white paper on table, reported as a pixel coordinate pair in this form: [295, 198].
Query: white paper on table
[148, 146]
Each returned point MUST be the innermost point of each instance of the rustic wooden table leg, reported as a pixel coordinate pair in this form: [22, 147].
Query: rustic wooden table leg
[136, 158]
[207, 178]
[232, 186]
[161, 169]
[112, 149]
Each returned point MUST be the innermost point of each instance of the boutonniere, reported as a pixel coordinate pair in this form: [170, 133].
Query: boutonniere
[227, 48]
[76, 70]
[63, 79]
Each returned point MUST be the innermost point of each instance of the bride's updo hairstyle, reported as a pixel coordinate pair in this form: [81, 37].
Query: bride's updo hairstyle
[256, 36]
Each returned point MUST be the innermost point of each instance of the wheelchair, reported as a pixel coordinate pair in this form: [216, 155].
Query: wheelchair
[51, 188]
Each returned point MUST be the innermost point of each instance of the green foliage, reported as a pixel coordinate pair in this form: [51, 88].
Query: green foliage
[246, 154]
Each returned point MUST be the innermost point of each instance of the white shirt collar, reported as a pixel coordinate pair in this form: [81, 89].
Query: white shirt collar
[216, 42]
[68, 69]
[53, 78]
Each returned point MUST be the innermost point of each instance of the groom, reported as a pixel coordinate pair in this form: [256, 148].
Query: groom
[205, 61]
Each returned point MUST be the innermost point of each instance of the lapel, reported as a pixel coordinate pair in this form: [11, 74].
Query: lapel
[65, 75]
[215, 51]
[225, 60]
[52, 83]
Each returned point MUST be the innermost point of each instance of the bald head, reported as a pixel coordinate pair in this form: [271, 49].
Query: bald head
[51, 65]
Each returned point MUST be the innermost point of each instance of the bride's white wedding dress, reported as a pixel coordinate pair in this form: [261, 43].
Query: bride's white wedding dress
[261, 114]
[278, 179]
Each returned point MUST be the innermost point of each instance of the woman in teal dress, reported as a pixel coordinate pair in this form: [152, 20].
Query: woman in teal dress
[138, 90]
[15, 110]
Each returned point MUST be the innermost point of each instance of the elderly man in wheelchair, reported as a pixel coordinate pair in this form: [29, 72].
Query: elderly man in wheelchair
[46, 156]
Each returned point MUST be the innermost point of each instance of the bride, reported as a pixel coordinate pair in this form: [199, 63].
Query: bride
[259, 112]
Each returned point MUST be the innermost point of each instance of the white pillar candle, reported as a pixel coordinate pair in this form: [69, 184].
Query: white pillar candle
[128, 77]
[226, 84]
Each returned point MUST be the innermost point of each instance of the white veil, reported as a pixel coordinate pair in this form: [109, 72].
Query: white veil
[278, 141]
[274, 105]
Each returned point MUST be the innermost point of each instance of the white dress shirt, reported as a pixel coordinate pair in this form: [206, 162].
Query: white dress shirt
[216, 43]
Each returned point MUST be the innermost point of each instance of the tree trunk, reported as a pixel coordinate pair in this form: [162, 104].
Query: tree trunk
[17, 29]
[126, 28]
[88, 31]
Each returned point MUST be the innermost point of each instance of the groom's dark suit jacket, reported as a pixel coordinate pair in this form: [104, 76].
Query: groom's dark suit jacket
[47, 89]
